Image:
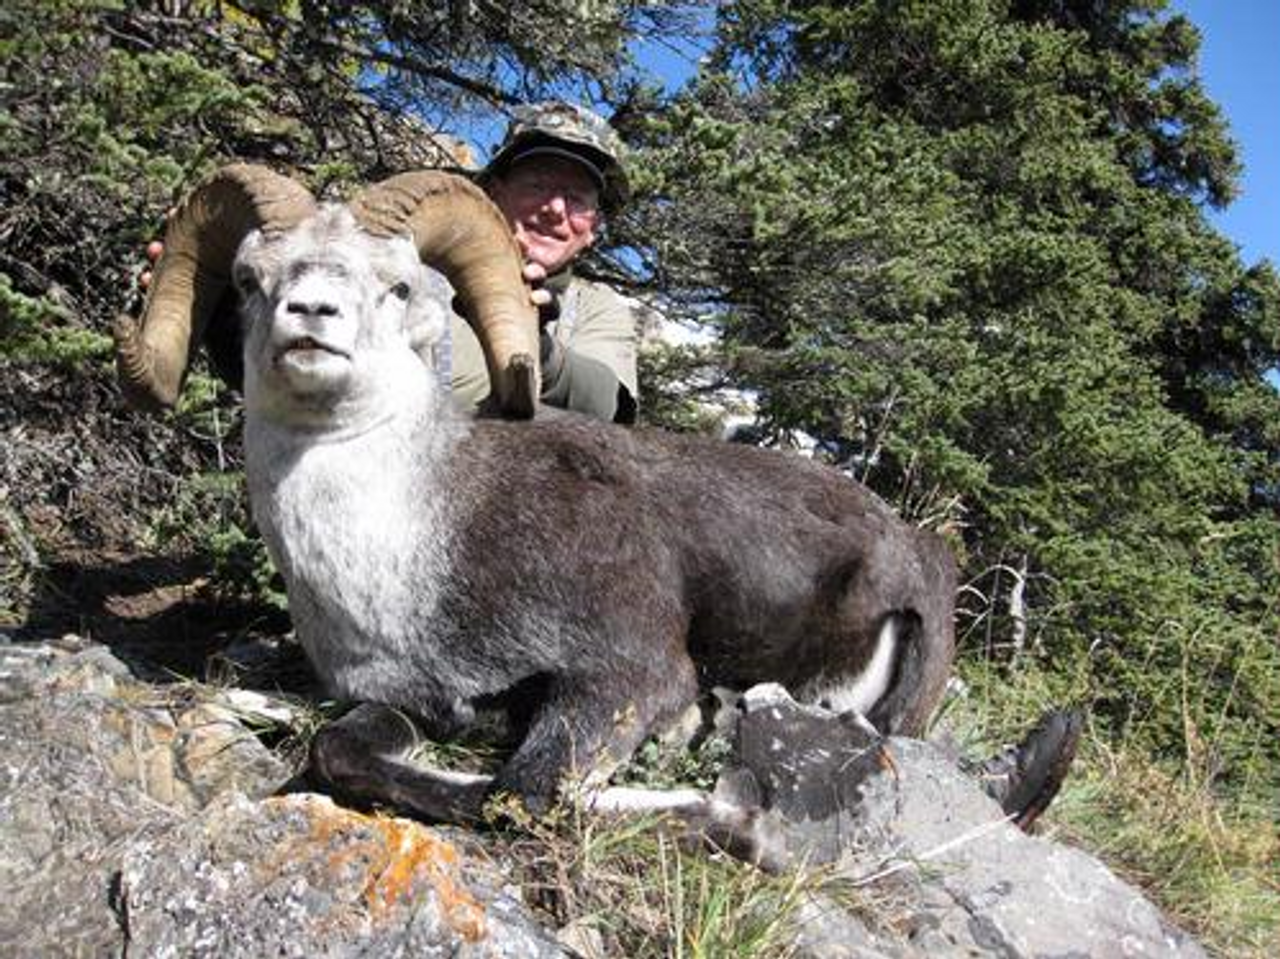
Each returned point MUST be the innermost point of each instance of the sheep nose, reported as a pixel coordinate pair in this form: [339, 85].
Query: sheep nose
[300, 307]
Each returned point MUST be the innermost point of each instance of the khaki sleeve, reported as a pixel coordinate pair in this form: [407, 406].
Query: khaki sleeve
[605, 328]
[595, 367]
[469, 376]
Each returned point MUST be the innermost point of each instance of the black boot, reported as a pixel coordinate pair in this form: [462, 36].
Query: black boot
[1025, 778]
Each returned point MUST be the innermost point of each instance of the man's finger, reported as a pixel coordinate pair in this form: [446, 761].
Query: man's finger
[534, 272]
[155, 249]
[144, 279]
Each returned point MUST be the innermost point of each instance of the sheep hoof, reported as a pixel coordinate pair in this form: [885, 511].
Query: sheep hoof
[747, 833]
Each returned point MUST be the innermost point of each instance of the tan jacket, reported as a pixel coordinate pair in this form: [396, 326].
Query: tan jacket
[588, 355]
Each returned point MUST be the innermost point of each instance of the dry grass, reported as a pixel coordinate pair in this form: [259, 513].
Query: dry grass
[630, 888]
[1215, 873]
[1211, 863]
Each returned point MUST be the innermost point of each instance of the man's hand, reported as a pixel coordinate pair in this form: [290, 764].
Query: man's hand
[544, 299]
[534, 275]
[155, 250]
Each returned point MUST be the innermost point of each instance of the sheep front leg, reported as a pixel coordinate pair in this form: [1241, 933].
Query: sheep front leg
[743, 830]
[361, 755]
[588, 724]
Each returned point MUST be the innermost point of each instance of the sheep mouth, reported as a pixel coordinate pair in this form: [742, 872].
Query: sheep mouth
[307, 344]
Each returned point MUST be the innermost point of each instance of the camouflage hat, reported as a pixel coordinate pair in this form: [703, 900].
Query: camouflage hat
[572, 132]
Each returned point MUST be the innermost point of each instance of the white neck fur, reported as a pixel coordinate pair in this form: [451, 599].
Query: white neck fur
[353, 518]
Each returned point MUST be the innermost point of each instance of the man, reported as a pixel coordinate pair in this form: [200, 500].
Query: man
[557, 174]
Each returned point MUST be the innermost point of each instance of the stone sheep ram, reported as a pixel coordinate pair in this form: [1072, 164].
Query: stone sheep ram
[573, 582]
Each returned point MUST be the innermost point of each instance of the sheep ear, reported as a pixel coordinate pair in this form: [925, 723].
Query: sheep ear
[244, 277]
[458, 231]
[426, 327]
[153, 352]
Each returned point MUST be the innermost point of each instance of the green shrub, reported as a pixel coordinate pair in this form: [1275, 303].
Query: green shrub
[39, 330]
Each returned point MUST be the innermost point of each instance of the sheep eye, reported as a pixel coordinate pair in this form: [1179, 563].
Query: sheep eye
[246, 283]
[400, 291]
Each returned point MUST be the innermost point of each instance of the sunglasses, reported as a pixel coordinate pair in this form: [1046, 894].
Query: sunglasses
[578, 203]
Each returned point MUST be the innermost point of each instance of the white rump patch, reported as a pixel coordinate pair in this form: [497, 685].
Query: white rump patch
[863, 691]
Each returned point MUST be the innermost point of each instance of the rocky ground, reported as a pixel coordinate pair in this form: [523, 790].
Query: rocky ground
[144, 817]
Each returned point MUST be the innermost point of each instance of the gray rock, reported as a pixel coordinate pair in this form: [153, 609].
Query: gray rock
[138, 819]
[91, 761]
[828, 930]
[299, 876]
[1016, 894]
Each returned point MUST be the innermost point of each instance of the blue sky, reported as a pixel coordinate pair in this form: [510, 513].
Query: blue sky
[1240, 68]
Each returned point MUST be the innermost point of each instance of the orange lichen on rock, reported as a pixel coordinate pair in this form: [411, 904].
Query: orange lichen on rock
[396, 853]
[410, 850]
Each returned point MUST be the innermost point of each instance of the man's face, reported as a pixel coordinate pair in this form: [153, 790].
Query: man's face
[552, 205]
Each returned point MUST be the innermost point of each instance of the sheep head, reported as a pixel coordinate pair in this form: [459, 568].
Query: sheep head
[449, 222]
[336, 319]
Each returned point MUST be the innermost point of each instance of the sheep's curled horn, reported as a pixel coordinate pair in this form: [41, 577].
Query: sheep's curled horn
[203, 234]
[454, 226]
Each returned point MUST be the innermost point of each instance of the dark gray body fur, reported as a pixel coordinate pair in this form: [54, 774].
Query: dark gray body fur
[596, 578]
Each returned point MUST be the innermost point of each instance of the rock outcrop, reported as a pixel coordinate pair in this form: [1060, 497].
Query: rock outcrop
[149, 820]
[902, 814]
[136, 820]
